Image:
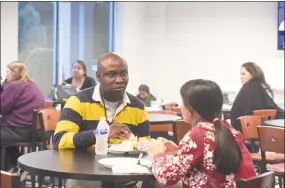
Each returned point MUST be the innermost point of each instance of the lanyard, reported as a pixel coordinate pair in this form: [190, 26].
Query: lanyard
[105, 109]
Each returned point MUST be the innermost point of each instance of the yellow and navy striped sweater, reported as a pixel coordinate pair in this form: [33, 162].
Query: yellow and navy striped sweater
[81, 114]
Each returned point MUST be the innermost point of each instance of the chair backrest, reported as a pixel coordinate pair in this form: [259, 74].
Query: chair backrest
[37, 128]
[264, 180]
[169, 106]
[181, 129]
[161, 127]
[271, 139]
[249, 126]
[268, 114]
[36, 119]
[10, 180]
[48, 104]
[49, 118]
[163, 112]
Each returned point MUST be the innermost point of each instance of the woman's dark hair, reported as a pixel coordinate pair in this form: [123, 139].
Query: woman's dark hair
[144, 88]
[206, 98]
[83, 66]
[257, 74]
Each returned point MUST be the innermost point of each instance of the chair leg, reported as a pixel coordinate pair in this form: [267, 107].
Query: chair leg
[52, 181]
[40, 181]
[3, 158]
[59, 182]
[280, 181]
[33, 180]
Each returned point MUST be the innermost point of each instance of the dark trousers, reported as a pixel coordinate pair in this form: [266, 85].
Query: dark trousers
[10, 135]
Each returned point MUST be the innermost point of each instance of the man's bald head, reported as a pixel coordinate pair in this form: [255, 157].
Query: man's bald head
[110, 57]
[112, 73]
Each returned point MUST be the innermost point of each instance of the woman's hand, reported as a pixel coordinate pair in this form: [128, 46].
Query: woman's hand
[170, 146]
[155, 147]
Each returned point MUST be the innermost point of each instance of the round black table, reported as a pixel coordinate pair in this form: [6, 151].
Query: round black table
[275, 122]
[75, 164]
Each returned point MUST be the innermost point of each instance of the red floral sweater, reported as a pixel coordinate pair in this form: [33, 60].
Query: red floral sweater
[193, 161]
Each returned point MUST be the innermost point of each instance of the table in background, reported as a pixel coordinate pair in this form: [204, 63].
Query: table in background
[158, 119]
[275, 122]
[76, 164]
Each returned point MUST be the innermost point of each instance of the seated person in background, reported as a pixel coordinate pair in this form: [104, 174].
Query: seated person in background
[145, 95]
[212, 153]
[80, 79]
[81, 113]
[20, 96]
[1, 86]
[255, 94]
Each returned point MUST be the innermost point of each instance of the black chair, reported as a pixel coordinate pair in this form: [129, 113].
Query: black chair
[264, 180]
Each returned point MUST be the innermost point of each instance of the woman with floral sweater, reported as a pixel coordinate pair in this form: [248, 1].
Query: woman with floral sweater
[212, 154]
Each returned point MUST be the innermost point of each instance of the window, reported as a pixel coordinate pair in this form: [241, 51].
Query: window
[90, 36]
[281, 42]
[36, 41]
[52, 35]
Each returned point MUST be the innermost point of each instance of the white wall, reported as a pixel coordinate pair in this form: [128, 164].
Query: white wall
[189, 40]
[9, 34]
[168, 43]
[129, 38]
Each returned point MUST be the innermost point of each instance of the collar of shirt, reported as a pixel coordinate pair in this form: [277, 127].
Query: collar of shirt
[97, 97]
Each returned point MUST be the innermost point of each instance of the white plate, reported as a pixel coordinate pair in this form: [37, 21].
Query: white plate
[131, 152]
[110, 162]
[125, 147]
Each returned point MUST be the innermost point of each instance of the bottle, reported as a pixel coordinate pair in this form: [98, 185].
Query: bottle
[102, 134]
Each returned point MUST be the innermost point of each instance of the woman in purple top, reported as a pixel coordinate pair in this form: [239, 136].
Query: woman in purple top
[19, 97]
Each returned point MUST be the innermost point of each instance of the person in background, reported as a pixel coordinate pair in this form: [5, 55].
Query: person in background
[145, 95]
[80, 79]
[211, 154]
[255, 94]
[1, 85]
[20, 96]
[80, 116]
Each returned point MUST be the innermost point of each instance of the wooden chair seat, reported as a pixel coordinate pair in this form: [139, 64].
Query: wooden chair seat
[271, 157]
[276, 168]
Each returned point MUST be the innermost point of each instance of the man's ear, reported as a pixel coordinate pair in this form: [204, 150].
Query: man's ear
[98, 76]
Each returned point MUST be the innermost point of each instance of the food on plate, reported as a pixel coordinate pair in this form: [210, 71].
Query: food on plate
[132, 144]
[126, 145]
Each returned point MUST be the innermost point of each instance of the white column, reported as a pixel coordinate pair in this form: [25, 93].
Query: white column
[68, 38]
[64, 41]
[9, 34]
[85, 34]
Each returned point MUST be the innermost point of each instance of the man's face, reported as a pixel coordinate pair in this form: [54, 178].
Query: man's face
[113, 76]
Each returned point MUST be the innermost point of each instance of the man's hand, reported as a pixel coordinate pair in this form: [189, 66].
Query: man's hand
[118, 130]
